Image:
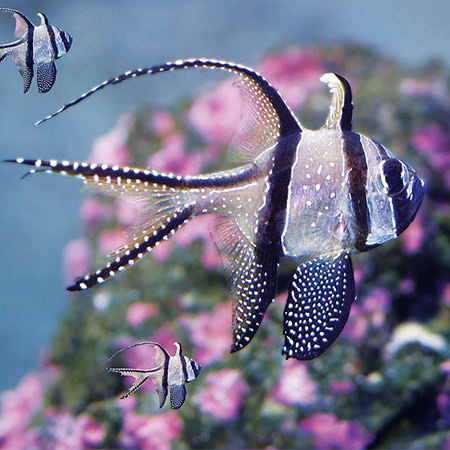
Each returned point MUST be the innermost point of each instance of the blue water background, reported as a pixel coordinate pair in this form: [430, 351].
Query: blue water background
[40, 214]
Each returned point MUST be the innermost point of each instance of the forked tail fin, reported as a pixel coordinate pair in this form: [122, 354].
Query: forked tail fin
[166, 202]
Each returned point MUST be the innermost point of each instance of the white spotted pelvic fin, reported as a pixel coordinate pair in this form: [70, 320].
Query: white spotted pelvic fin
[318, 305]
[166, 198]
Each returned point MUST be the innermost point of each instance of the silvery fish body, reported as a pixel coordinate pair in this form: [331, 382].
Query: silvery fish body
[171, 371]
[318, 196]
[40, 45]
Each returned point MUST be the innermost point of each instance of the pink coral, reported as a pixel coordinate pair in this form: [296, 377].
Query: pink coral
[434, 142]
[414, 236]
[111, 148]
[126, 212]
[76, 259]
[139, 312]
[329, 432]
[210, 333]
[295, 386]
[150, 432]
[109, 240]
[376, 304]
[215, 114]
[200, 228]
[295, 73]
[62, 430]
[17, 407]
[173, 158]
[162, 123]
[357, 325]
[93, 211]
[223, 396]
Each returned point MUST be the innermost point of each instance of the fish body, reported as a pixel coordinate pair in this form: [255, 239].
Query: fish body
[37, 45]
[171, 371]
[319, 196]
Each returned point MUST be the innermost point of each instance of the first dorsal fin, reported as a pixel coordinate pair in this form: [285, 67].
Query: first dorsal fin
[44, 20]
[341, 109]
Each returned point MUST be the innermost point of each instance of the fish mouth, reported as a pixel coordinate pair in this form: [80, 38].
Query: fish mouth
[419, 190]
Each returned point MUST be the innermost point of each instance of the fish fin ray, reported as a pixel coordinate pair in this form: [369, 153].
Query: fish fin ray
[27, 72]
[164, 208]
[128, 254]
[177, 395]
[251, 279]
[160, 353]
[288, 123]
[23, 24]
[46, 76]
[313, 318]
[259, 126]
[141, 377]
[341, 109]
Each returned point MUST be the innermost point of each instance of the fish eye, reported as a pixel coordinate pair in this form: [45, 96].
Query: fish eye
[394, 177]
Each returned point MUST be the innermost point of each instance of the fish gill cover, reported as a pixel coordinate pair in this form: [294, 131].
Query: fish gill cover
[385, 382]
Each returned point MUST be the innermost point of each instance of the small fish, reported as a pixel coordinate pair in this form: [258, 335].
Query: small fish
[174, 371]
[315, 195]
[40, 45]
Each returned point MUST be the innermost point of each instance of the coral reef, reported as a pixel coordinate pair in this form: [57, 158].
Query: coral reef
[386, 380]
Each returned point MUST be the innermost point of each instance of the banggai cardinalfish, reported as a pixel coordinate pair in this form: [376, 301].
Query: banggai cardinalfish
[40, 45]
[318, 196]
[171, 371]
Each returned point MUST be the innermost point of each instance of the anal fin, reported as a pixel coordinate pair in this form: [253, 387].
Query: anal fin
[251, 276]
[318, 305]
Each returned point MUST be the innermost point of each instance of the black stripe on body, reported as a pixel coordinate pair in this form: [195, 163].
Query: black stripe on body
[165, 381]
[82, 283]
[90, 170]
[356, 167]
[64, 40]
[184, 368]
[195, 370]
[52, 38]
[29, 53]
[289, 124]
[273, 216]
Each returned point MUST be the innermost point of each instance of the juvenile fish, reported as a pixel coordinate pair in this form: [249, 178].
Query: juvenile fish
[174, 371]
[315, 195]
[40, 45]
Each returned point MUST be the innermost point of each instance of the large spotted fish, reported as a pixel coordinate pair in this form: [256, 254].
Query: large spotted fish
[170, 371]
[317, 196]
[40, 45]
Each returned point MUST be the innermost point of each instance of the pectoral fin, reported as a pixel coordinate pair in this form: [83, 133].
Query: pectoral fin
[177, 396]
[46, 76]
[318, 305]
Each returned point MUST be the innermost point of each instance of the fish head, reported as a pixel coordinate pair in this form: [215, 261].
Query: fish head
[194, 370]
[63, 41]
[394, 193]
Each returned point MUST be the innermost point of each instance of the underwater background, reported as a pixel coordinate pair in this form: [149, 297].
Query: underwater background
[384, 383]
